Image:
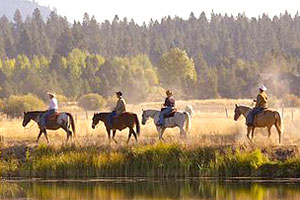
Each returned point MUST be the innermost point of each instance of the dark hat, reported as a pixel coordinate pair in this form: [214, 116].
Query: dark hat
[119, 93]
[169, 92]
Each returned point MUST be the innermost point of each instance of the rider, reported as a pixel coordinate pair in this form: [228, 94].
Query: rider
[261, 104]
[168, 107]
[118, 110]
[53, 107]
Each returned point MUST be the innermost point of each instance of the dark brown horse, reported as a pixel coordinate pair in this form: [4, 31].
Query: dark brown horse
[63, 120]
[126, 120]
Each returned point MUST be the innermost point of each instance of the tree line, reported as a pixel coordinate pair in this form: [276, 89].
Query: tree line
[201, 57]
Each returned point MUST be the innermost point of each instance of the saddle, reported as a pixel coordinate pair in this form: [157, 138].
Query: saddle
[171, 114]
[53, 117]
[262, 112]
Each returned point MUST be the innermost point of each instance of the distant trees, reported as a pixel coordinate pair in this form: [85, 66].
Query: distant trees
[14, 106]
[202, 57]
[177, 71]
[91, 101]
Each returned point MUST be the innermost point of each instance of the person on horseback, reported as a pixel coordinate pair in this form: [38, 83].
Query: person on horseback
[53, 107]
[118, 110]
[167, 108]
[261, 104]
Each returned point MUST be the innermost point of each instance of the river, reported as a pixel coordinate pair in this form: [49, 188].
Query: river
[122, 188]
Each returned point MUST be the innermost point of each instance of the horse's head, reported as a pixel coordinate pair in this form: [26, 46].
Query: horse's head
[27, 118]
[145, 117]
[95, 120]
[237, 112]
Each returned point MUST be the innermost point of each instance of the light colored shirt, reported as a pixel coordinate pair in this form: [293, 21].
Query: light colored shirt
[53, 104]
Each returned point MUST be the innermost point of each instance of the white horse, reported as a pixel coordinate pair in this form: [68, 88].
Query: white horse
[180, 120]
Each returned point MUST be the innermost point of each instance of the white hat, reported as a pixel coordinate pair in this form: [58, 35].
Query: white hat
[51, 94]
[263, 88]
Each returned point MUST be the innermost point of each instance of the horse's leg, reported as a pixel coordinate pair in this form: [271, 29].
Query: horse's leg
[129, 135]
[37, 140]
[252, 133]
[269, 131]
[113, 136]
[279, 131]
[162, 133]
[182, 132]
[45, 134]
[134, 134]
[248, 133]
[69, 133]
[108, 134]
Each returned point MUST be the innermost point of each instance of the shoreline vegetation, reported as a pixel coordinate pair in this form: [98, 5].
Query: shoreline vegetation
[161, 160]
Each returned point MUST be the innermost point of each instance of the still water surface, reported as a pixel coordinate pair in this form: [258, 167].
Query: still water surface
[151, 189]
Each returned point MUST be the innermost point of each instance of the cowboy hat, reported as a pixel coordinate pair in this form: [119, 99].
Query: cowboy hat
[263, 88]
[119, 93]
[51, 94]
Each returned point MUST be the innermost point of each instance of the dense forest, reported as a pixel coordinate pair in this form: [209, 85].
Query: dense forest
[201, 57]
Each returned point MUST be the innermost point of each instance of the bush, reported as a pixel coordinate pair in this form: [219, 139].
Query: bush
[291, 100]
[91, 101]
[14, 106]
[61, 98]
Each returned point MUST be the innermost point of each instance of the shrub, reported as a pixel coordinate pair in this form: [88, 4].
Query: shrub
[14, 106]
[61, 98]
[91, 101]
[291, 100]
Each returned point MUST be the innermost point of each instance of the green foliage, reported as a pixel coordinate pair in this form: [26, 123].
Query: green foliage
[91, 102]
[177, 70]
[198, 58]
[61, 98]
[14, 106]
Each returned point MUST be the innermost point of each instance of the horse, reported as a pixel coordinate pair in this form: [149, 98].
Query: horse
[267, 119]
[63, 120]
[178, 120]
[125, 120]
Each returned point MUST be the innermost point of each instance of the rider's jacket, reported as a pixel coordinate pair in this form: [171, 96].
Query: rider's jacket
[120, 107]
[169, 102]
[262, 100]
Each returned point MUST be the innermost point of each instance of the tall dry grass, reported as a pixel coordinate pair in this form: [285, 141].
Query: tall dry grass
[211, 125]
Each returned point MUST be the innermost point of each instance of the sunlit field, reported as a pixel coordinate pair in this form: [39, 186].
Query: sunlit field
[212, 124]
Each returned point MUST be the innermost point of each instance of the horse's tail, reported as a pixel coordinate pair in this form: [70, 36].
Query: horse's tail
[189, 109]
[188, 121]
[279, 124]
[72, 122]
[137, 123]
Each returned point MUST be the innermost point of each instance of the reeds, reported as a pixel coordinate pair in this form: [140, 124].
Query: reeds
[159, 160]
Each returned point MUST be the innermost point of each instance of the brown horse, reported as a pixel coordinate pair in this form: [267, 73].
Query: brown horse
[126, 120]
[267, 119]
[63, 120]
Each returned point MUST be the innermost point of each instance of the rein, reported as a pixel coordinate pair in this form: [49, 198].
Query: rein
[26, 130]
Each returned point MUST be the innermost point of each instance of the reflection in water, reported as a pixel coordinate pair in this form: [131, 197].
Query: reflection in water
[142, 189]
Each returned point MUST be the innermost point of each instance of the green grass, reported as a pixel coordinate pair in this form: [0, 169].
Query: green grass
[159, 160]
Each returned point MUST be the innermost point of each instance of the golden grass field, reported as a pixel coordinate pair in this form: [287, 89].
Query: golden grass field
[210, 126]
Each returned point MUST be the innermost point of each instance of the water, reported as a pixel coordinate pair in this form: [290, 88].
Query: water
[151, 189]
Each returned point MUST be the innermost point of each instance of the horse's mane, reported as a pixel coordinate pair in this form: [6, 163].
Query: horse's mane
[36, 112]
[242, 105]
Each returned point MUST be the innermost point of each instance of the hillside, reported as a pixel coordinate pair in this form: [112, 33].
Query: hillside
[8, 8]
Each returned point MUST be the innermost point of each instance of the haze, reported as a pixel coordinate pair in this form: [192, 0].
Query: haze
[143, 11]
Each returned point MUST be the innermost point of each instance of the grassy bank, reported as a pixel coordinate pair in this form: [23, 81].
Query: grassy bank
[159, 160]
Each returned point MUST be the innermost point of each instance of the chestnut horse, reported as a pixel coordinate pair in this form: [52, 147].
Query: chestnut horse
[126, 120]
[267, 118]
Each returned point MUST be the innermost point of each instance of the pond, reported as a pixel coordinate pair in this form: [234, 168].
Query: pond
[123, 188]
